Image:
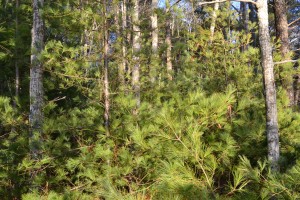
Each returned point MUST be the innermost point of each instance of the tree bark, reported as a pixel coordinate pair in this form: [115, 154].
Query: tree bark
[296, 85]
[282, 35]
[122, 69]
[269, 85]
[118, 29]
[17, 81]
[36, 81]
[282, 26]
[136, 50]
[213, 21]
[154, 41]
[106, 81]
[253, 19]
[245, 20]
[169, 41]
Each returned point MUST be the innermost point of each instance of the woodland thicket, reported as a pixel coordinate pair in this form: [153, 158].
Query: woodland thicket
[146, 100]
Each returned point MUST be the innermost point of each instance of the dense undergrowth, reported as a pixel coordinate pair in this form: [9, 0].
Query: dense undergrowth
[199, 136]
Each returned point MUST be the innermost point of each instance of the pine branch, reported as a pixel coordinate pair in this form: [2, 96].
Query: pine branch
[70, 76]
[5, 49]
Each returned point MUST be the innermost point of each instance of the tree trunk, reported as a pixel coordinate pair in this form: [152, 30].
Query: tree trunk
[136, 50]
[169, 41]
[122, 69]
[36, 81]
[128, 41]
[296, 85]
[282, 34]
[118, 29]
[282, 26]
[116, 17]
[106, 82]
[253, 19]
[17, 83]
[213, 21]
[245, 21]
[154, 27]
[269, 85]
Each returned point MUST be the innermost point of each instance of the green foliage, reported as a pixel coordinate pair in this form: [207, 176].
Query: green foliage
[199, 136]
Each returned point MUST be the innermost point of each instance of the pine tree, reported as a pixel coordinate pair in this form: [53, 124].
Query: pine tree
[136, 50]
[168, 41]
[282, 35]
[200, 136]
[269, 85]
[36, 81]
[154, 32]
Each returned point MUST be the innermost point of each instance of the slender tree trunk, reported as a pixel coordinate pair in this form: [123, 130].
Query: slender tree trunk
[154, 27]
[85, 35]
[282, 26]
[36, 81]
[118, 29]
[253, 19]
[269, 85]
[213, 21]
[116, 17]
[296, 90]
[282, 34]
[17, 83]
[129, 41]
[245, 20]
[169, 41]
[136, 50]
[105, 80]
[122, 69]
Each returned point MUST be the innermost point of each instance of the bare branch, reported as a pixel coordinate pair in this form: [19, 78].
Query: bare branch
[235, 8]
[294, 21]
[58, 99]
[175, 3]
[220, 1]
[213, 2]
[285, 61]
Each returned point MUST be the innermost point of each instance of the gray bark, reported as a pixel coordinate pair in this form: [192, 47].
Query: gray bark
[106, 81]
[269, 85]
[282, 26]
[154, 40]
[118, 29]
[213, 21]
[122, 69]
[36, 81]
[169, 41]
[245, 20]
[253, 19]
[17, 81]
[136, 50]
[282, 34]
[296, 85]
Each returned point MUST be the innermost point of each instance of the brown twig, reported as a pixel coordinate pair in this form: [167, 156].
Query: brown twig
[294, 21]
